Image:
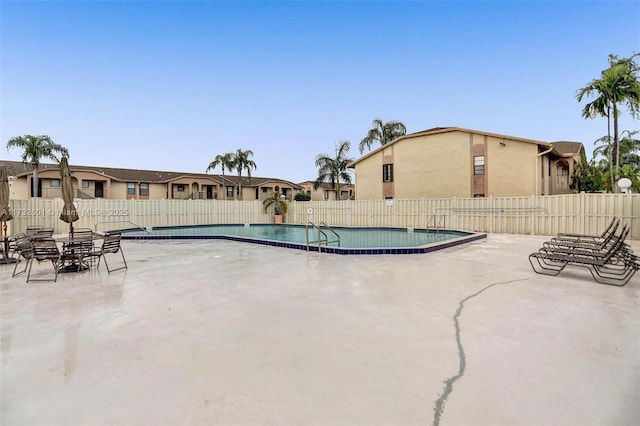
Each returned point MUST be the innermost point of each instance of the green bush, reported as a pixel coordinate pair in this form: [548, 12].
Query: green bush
[302, 197]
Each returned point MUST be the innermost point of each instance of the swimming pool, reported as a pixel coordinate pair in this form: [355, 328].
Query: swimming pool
[351, 240]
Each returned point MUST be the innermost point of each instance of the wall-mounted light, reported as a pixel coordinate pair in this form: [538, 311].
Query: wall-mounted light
[502, 143]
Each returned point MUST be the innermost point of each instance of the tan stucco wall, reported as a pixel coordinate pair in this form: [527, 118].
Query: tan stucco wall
[441, 165]
[369, 178]
[432, 166]
[19, 189]
[118, 190]
[157, 191]
[512, 168]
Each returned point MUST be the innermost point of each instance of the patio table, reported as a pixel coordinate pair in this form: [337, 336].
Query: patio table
[74, 251]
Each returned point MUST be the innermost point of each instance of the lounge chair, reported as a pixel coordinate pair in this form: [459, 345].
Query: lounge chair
[614, 264]
[110, 245]
[610, 229]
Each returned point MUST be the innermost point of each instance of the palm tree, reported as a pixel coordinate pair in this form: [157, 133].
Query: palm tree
[629, 148]
[618, 84]
[242, 161]
[334, 169]
[34, 148]
[225, 161]
[383, 133]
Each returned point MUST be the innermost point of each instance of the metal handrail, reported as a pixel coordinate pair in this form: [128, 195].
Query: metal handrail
[320, 241]
[437, 218]
[122, 221]
[333, 232]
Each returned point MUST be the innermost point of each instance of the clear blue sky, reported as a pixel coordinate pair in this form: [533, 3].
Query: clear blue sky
[168, 85]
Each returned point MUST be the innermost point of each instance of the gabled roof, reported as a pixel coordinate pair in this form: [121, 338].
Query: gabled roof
[439, 130]
[17, 168]
[567, 147]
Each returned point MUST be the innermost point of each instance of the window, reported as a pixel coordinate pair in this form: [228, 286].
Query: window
[54, 183]
[387, 172]
[264, 189]
[85, 184]
[180, 188]
[478, 165]
[144, 189]
[229, 191]
[326, 194]
[131, 188]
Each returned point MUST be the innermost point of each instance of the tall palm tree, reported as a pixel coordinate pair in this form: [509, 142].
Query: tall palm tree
[334, 169]
[629, 148]
[34, 148]
[618, 84]
[225, 161]
[242, 161]
[383, 133]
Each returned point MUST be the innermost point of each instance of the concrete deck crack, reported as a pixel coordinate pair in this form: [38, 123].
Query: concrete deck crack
[439, 407]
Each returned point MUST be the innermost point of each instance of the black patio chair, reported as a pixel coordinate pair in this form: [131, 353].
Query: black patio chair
[21, 249]
[45, 250]
[110, 245]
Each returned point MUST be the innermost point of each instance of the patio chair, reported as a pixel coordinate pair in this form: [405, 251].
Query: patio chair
[110, 245]
[45, 250]
[598, 244]
[21, 250]
[611, 228]
[613, 265]
[32, 229]
[578, 239]
[80, 247]
[42, 233]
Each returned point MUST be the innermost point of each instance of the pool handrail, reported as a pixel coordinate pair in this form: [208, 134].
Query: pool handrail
[320, 241]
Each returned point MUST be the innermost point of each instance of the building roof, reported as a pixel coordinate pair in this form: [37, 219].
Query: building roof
[328, 185]
[17, 168]
[567, 147]
[439, 130]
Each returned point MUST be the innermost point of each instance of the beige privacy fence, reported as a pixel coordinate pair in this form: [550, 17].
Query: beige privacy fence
[536, 215]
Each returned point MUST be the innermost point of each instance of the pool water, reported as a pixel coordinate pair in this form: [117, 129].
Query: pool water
[352, 240]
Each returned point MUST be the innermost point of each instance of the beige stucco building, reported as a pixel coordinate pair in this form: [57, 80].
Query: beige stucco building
[326, 191]
[454, 162]
[113, 183]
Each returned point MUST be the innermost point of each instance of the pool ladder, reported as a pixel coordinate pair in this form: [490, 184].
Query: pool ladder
[323, 238]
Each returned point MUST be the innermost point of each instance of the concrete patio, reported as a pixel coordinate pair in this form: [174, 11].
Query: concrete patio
[219, 332]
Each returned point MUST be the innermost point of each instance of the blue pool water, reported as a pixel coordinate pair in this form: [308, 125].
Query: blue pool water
[352, 240]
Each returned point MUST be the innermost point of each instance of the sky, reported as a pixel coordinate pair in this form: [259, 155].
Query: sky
[168, 85]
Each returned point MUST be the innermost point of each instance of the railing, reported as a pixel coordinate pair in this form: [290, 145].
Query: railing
[122, 221]
[437, 219]
[323, 239]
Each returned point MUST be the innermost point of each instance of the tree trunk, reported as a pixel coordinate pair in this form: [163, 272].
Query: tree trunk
[34, 189]
[616, 142]
[610, 147]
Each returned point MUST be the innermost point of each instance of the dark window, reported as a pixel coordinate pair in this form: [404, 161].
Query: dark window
[131, 188]
[144, 189]
[229, 191]
[181, 188]
[387, 172]
[478, 165]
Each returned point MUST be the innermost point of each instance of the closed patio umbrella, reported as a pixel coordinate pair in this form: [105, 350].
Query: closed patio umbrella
[5, 213]
[69, 213]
